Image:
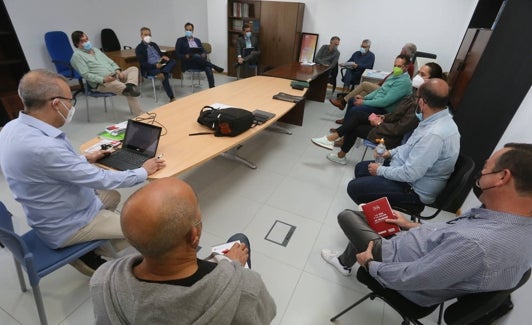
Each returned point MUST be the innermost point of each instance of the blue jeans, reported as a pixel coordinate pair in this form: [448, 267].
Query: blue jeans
[362, 108]
[167, 71]
[365, 188]
[243, 239]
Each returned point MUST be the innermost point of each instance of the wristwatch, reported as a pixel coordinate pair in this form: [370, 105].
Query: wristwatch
[366, 264]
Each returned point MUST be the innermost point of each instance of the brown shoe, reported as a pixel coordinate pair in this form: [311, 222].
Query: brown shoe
[332, 130]
[340, 103]
[339, 142]
[340, 121]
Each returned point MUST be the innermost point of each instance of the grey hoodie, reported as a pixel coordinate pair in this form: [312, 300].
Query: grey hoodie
[229, 294]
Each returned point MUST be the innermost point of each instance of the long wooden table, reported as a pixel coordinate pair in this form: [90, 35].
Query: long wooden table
[128, 58]
[316, 75]
[182, 151]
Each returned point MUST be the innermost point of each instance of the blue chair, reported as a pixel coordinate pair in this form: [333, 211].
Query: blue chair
[90, 92]
[32, 254]
[61, 52]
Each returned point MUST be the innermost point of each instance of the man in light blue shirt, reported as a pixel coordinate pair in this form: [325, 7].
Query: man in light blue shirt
[486, 249]
[65, 198]
[419, 169]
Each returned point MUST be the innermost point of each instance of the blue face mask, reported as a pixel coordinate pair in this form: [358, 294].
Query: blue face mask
[248, 34]
[188, 33]
[419, 113]
[362, 50]
[87, 46]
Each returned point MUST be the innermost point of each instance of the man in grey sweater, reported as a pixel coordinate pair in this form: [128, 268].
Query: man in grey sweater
[168, 283]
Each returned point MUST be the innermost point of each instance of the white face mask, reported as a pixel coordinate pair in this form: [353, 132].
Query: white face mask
[70, 114]
[417, 81]
[147, 39]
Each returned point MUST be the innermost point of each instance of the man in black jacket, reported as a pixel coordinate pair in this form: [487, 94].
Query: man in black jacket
[247, 48]
[153, 62]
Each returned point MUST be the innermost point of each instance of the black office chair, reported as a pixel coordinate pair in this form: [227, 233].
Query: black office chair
[409, 311]
[482, 308]
[472, 309]
[110, 41]
[446, 199]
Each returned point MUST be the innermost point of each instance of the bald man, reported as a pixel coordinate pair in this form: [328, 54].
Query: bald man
[66, 199]
[417, 171]
[486, 249]
[167, 283]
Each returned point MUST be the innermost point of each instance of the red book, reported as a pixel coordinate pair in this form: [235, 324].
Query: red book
[376, 212]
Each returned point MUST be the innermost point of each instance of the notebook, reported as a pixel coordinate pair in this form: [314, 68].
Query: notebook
[140, 144]
[195, 50]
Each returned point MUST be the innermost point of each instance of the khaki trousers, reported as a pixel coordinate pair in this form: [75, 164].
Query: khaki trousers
[118, 86]
[363, 89]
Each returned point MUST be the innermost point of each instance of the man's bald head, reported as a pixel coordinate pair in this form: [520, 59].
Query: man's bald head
[37, 87]
[435, 93]
[158, 217]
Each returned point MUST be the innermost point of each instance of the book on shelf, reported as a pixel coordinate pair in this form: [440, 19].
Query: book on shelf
[255, 25]
[376, 213]
[238, 24]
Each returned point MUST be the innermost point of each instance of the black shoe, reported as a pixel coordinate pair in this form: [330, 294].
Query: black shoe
[217, 68]
[131, 90]
[88, 263]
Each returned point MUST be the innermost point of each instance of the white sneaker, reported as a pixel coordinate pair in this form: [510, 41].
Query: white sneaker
[323, 142]
[334, 158]
[331, 257]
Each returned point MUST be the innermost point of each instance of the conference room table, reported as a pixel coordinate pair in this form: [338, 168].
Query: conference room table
[316, 75]
[179, 119]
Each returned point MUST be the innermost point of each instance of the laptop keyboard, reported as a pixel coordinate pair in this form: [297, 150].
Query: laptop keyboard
[123, 160]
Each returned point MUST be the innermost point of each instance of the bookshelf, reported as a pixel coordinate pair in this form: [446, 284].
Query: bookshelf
[13, 66]
[239, 13]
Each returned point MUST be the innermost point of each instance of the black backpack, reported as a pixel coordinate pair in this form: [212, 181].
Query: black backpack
[230, 121]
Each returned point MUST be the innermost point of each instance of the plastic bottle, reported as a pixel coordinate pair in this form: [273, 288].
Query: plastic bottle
[380, 150]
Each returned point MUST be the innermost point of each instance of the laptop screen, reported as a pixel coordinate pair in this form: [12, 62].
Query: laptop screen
[142, 138]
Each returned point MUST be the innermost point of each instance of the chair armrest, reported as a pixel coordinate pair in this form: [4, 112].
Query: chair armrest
[127, 47]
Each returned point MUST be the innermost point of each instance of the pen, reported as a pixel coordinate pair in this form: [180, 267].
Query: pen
[160, 156]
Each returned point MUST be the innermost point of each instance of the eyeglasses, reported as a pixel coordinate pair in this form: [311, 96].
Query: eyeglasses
[196, 223]
[72, 100]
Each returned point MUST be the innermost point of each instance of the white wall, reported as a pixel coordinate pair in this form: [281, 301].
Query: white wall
[435, 26]
[33, 18]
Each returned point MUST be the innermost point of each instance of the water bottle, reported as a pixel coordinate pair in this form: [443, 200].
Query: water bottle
[380, 150]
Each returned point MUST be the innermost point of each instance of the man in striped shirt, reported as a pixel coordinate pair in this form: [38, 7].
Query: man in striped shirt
[486, 249]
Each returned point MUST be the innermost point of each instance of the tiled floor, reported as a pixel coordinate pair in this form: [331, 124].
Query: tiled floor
[294, 183]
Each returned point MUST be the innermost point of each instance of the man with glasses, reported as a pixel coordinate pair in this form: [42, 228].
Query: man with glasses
[66, 199]
[486, 249]
[356, 65]
[103, 74]
[167, 282]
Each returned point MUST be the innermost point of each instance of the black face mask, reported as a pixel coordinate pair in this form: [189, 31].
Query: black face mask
[477, 189]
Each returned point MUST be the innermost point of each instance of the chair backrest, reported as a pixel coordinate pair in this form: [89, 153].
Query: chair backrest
[109, 40]
[9, 238]
[474, 307]
[462, 171]
[422, 58]
[60, 51]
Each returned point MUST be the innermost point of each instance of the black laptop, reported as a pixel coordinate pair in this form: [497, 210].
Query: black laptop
[140, 144]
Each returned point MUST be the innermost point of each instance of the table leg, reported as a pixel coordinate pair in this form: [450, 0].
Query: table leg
[232, 154]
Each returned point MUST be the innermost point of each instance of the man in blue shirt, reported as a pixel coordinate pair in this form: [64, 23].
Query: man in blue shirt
[486, 249]
[360, 60]
[66, 199]
[419, 169]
